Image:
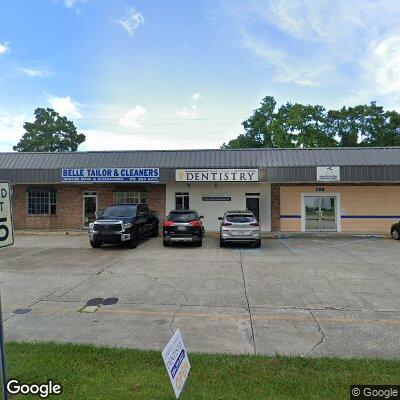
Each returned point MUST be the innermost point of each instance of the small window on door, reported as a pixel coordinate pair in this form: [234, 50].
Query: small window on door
[181, 201]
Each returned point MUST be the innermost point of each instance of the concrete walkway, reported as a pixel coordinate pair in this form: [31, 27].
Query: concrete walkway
[317, 296]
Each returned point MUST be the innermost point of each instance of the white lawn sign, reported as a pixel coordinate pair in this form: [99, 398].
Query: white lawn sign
[177, 362]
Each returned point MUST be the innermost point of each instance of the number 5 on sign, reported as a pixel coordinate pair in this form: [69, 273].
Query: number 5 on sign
[6, 239]
[6, 229]
[177, 362]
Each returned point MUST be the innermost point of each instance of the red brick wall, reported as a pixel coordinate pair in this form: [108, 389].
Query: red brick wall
[70, 204]
[275, 208]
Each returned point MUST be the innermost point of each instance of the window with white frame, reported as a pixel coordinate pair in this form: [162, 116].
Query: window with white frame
[130, 197]
[42, 202]
[181, 201]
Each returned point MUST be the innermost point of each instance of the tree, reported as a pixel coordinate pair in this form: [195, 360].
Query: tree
[263, 129]
[307, 126]
[49, 132]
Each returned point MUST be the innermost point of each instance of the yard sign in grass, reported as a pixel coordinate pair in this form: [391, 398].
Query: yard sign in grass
[177, 362]
[6, 239]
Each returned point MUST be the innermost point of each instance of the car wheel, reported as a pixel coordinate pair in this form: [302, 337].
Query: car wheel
[396, 234]
[95, 244]
[154, 233]
[221, 243]
[257, 244]
[134, 241]
[166, 244]
[199, 244]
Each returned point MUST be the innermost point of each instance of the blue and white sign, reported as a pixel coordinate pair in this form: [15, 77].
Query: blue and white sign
[177, 362]
[110, 175]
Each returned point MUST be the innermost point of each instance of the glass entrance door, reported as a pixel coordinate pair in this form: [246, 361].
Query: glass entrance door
[320, 213]
[89, 208]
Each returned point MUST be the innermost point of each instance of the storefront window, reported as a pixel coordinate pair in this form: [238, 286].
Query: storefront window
[42, 202]
[130, 198]
[181, 201]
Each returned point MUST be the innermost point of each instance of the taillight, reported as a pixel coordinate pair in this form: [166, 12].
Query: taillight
[254, 224]
[168, 223]
[226, 224]
[196, 224]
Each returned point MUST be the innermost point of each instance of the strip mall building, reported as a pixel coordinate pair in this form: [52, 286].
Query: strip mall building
[289, 190]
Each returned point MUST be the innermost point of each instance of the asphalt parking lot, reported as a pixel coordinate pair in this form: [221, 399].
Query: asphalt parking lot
[334, 296]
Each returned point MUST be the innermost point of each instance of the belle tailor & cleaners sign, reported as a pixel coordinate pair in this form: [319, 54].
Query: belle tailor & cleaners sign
[216, 175]
[110, 175]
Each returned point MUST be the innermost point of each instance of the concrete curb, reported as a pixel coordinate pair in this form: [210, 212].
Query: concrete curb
[40, 232]
[305, 235]
[264, 235]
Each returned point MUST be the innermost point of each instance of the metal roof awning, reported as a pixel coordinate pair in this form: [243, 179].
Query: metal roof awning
[358, 164]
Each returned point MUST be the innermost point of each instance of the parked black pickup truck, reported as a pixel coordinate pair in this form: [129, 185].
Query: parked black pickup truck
[123, 223]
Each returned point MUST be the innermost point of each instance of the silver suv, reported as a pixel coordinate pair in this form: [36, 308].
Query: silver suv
[239, 226]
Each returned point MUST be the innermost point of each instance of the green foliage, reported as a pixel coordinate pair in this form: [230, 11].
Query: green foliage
[100, 373]
[307, 126]
[49, 132]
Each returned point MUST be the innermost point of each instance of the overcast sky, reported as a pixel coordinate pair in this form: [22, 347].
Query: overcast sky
[184, 74]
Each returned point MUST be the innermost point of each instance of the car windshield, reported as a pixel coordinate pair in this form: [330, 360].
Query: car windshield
[240, 218]
[119, 211]
[182, 217]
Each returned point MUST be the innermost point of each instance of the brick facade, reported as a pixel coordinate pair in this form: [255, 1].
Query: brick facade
[70, 204]
[275, 208]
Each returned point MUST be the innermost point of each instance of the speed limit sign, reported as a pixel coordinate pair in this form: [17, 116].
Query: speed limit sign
[6, 226]
[6, 239]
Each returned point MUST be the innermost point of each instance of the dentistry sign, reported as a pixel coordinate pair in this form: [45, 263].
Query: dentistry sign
[328, 174]
[216, 175]
[110, 175]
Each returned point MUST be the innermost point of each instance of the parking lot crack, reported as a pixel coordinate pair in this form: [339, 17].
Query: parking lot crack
[248, 303]
[159, 281]
[376, 266]
[321, 332]
[92, 276]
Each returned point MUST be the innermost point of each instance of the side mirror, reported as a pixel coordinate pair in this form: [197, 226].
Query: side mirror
[220, 218]
[201, 216]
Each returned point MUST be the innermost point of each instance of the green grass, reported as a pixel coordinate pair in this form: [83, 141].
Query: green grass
[87, 372]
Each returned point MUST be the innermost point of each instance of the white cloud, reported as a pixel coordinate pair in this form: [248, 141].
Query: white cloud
[313, 42]
[187, 112]
[196, 96]
[34, 72]
[11, 128]
[133, 117]
[382, 65]
[131, 21]
[72, 3]
[286, 67]
[65, 106]
[4, 48]
[380, 74]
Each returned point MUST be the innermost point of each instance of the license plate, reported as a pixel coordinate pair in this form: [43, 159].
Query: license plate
[241, 233]
[181, 228]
